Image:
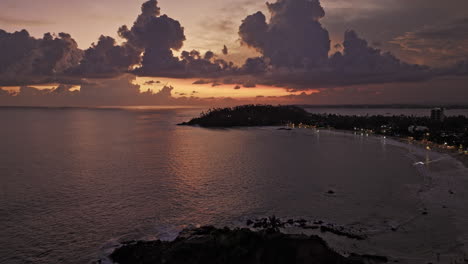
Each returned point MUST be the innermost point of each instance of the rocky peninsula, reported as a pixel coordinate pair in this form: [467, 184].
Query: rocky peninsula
[236, 246]
[251, 115]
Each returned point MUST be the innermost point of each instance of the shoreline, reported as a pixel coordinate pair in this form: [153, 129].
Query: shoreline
[453, 153]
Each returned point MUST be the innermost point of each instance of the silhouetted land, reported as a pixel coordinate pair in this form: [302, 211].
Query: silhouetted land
[452, 132]
[251, 115]
[208, 244]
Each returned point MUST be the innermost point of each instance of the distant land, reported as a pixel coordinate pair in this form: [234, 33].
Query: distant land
[392, 106]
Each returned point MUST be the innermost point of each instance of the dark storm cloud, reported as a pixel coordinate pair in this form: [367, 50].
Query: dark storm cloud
[293, 37]
[24, 58]
[441, 44]
[254, 66]
[155, 36]
[107, 58]
[349, 69]
[295, 51]
[361, 63]
[196, 64]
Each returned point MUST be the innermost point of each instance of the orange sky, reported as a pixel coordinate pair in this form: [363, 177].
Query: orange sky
[185, 87]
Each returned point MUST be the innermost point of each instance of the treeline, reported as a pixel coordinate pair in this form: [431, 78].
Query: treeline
[251, 115]
[452, 131]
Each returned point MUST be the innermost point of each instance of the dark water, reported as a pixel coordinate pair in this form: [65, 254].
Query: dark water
[74, 181]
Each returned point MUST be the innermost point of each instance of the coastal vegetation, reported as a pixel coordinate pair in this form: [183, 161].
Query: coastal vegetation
[251, 115]
[451, 133]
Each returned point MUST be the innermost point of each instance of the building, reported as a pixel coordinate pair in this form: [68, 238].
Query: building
[437, 114]
[414, 129]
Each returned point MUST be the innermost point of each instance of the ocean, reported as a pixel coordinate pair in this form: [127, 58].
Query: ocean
[75, 182]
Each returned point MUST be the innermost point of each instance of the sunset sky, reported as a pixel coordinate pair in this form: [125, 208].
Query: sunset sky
[293, 56]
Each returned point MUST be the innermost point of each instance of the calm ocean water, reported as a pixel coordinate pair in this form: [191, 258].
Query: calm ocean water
[74, 182]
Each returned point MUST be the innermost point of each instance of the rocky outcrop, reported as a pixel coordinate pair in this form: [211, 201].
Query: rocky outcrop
[235, 246]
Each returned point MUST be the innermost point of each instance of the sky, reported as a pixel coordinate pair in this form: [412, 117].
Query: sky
[332, 51]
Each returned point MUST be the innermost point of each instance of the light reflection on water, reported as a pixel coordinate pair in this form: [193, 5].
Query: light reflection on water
[73, 179]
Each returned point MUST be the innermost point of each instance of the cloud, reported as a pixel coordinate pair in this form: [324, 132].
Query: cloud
[294, 51]
[152, 82]
[361, 63]
[196, 64]
[93, 92]
[255, 66]
[201, 81]
[24, 22]
[107, 59]
[122, 87]
[156, 36]
[27, 59]
[295, 48]
[293, 37]
[440, 44]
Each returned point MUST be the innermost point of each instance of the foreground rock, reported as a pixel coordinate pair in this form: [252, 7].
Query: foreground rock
[238, 246]
[251, 115]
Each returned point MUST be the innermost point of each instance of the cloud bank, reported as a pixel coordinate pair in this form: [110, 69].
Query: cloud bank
[295, 52]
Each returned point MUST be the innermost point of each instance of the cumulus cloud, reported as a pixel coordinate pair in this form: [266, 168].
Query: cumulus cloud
[27, 59]
[107, 58]
[294, 52]
[196, 64]
[293, 37]
[255, 66]
[156, 36]
[295, 48]
[360, 63]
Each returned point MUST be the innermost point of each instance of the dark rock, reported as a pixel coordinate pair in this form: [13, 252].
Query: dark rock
[251, 115]
[239, 246]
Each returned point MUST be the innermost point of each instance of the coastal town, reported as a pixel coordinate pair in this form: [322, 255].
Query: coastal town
[434, 131]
